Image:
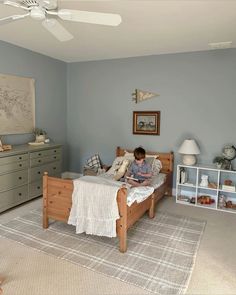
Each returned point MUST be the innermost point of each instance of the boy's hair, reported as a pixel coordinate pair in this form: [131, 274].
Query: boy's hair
[139, 153]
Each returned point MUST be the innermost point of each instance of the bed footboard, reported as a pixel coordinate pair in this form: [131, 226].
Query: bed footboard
[57, 202]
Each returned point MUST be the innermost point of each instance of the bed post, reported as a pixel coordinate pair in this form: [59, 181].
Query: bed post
[151, 211]
[45, 200]
[170, 176]
[118, 151]
[123, 219]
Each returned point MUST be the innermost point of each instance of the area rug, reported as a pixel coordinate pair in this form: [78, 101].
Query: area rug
[160, 257]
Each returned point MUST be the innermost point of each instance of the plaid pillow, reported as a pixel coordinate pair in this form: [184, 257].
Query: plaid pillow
[94, 161]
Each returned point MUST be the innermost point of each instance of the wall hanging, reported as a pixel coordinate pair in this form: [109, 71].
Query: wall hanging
[146, 122]
[17, 104]
[141, 95]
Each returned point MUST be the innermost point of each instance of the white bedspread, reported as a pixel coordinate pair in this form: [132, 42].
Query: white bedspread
[94, 203]
[94, 206]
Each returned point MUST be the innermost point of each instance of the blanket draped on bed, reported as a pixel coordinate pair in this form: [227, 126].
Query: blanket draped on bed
[94, 206]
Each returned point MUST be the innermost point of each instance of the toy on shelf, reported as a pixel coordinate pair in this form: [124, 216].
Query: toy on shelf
[205, 200]
[204, 181]
[229, 204]
[228, 186]
[222, 201]
[212, 185]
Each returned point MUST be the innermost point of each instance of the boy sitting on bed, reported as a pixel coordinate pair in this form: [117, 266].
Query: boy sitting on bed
[139, 173]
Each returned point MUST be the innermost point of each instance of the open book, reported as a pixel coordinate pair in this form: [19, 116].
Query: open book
[130, 177]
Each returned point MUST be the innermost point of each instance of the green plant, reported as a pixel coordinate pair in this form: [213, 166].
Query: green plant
[38, 131]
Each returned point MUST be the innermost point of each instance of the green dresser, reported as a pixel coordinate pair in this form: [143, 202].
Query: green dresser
[21, 171]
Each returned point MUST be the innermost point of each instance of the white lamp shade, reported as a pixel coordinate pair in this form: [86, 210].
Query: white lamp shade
[189, 147]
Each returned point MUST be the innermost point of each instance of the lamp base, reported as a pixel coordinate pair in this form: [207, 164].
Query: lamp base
[189, 159]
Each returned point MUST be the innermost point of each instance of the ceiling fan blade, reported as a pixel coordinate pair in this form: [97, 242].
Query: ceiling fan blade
[9, 19]
[99, 18]
[15, 4]
[57, 30]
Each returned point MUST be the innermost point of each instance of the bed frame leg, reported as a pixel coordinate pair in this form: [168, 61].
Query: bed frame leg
[170, 185]
[45, 199]
[151, 212]
[169, 192]
[122, 197]
[123, 240]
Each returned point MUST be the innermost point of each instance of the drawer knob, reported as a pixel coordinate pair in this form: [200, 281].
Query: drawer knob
[20, 165]
[39, 154]
[38, 187]
[54, 168]
[19, 194]
[39, 161]
[55, 157]
[55, 151]
[39, 172]
[20, 177]
[20, 158]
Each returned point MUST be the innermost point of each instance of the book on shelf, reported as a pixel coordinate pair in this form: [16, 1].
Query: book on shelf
[230, 188]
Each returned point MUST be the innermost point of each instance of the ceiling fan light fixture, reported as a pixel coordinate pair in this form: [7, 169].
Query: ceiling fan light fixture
[37, 13]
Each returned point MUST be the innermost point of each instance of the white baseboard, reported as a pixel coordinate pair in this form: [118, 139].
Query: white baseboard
[72, 175]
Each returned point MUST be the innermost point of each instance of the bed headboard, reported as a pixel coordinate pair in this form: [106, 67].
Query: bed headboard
[167, 159]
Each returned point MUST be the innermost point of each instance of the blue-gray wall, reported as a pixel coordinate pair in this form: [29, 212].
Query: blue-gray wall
[87, 106]
[50, 101]
[197, 100]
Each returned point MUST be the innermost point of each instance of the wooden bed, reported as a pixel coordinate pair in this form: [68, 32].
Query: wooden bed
[57, 201]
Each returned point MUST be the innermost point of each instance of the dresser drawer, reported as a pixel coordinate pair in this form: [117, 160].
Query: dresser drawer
[43, 160]
[12, 159]
[53, 169]
[45, 153]
[13, 197]
[14, 179]
[14, 166]
[36, 189]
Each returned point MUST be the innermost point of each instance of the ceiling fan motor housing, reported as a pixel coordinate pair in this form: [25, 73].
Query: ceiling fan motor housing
[37, 13]
[47, 4]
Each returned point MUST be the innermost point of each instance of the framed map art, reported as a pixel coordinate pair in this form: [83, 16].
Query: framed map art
[17, 104]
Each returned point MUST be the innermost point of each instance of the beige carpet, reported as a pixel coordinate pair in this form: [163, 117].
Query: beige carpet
[160, 257]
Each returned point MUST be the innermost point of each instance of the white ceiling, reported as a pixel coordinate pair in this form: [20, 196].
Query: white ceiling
[147, 28]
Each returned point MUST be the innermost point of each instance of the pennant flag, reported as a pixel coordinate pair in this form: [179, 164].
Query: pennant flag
[141, 95]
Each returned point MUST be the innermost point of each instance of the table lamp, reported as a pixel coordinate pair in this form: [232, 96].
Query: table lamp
[189, 149]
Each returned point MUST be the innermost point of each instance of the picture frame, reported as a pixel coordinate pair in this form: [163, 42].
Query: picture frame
[146, 122]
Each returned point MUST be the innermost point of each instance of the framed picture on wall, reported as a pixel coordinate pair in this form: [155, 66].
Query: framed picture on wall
[146, 122]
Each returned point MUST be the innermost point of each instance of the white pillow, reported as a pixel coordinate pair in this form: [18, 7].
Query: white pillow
[156, 167]
[150, 161]
[129, 156]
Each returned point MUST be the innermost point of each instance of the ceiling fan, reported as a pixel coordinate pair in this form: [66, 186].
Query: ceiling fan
[47, 10]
